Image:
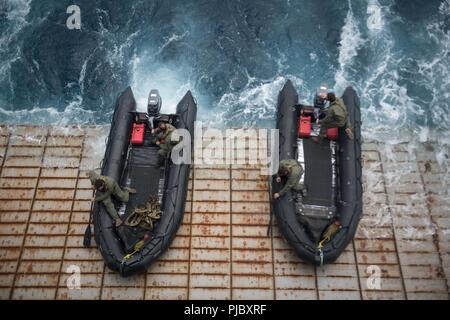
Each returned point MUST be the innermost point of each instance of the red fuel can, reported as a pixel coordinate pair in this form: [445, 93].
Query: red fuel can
[137, 135]
[304, 127]
[332, 133]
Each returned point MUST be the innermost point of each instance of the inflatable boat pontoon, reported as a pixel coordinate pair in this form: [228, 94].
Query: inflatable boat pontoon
[332, 177]
[134, 163]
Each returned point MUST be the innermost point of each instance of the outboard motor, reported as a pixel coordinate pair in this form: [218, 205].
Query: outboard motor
[154, 103]
[153, 107]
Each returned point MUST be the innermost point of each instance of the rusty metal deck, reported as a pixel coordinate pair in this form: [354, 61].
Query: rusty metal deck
[221, 250]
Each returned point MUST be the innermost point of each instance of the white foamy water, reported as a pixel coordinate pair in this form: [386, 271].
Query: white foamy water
[73, 113]
[147, 74]
[390, 114]
[435, 72]
[386, 102]
[16, 13]
[375, 21]
[351, 41]
[256, 103]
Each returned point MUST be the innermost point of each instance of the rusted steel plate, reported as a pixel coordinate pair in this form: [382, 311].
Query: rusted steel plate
[8, 194]
[15, 205]
[25, 141]
[209, 294]
[71, 130]
[253, 294]
[210, 235]
[65, 141]
[252, 265]
[82, 294]
[118, 293]
[340, 295]
[42, 253]
[34, 293]
[221, 250]
[17, 183]
[30, 151]
[22, 161]
[416, 233]
[60, 162]
[382, 295]
[211, 174]
[20, 172]
[293, 294]
[31, 267]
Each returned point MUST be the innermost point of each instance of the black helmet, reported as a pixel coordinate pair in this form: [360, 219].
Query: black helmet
[154, 103]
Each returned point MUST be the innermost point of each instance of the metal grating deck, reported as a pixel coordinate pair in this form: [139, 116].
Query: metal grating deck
[221, 251]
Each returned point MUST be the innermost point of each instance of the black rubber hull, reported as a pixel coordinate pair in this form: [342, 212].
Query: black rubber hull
[349, 209]
[176, 186]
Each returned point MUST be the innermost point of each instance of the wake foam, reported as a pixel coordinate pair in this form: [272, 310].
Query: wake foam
[72, 114]
[351, 41]
[255, 105]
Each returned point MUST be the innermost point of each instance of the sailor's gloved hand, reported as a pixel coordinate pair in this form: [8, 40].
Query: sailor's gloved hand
[130, 190]
[276, 196]
[349, 133]
[157, 143]
[91, 174]
[175, 137]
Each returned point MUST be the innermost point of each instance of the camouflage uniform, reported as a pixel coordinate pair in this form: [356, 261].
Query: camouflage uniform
[165, 142]
[294, 176]
[112, 189]
[336, 117]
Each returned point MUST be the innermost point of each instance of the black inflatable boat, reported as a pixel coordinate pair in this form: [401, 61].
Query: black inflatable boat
[332, 177]
[132, 160]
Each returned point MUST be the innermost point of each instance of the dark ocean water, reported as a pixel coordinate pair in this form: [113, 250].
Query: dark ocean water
[234, 55]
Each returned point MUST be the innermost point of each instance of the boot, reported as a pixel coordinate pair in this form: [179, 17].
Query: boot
[349, 133]
[161, 161]
[304, 193]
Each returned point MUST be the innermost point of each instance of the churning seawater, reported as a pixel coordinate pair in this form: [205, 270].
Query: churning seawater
[234, 55]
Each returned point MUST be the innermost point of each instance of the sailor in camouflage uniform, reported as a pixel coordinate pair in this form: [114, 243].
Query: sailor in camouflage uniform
[164, 141]
[106, 187]
[336, 116]
[293, 171]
